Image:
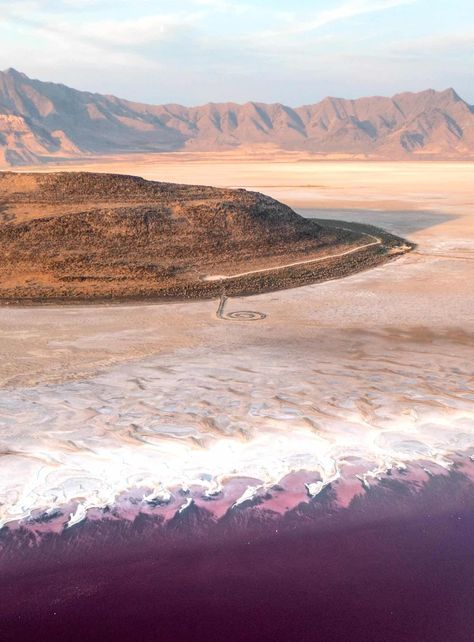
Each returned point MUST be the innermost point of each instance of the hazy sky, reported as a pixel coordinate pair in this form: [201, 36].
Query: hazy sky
[195, 51]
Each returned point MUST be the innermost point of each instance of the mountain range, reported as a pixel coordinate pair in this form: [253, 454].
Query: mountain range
[44, 121]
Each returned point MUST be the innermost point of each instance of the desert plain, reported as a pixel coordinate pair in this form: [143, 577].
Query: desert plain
[343, 380]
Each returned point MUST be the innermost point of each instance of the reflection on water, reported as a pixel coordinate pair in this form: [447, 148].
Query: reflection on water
[342, 405]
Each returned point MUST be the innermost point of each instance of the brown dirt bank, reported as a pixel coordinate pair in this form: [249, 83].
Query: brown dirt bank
[78, 236]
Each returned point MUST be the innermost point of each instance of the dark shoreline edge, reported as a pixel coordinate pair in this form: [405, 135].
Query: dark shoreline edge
[252, 285]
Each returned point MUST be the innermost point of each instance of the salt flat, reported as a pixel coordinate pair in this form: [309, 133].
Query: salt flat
[362, 374]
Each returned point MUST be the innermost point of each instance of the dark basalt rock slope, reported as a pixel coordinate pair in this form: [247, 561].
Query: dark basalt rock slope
[79, 236]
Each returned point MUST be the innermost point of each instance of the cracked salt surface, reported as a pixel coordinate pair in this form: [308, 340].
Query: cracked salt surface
[206, 419]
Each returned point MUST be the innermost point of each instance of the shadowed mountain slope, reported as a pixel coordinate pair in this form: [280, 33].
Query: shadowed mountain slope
[40, 121]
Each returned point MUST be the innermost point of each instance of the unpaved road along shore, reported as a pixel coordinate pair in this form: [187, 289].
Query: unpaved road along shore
[221, 277]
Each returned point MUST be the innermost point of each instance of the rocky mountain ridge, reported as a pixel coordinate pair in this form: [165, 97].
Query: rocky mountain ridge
[43, 121]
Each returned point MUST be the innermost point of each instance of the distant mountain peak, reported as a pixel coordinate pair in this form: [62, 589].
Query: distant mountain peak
[452, 93]
[40, 121]
[11, 71]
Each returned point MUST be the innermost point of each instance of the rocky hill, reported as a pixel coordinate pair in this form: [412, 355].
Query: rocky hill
[94, 236]
[41, 121]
